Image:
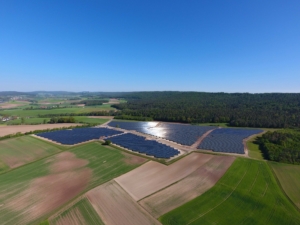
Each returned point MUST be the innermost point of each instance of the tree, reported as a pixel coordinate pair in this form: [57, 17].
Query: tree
[22, 120]
[107, 142]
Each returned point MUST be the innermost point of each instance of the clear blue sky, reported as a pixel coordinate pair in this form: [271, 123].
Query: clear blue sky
[144, 45]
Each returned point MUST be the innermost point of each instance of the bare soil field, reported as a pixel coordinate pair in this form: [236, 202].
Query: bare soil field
[116, 207]
[46, 193]
[153, 176]
[188, 188]
[5, 130]
[12, 105]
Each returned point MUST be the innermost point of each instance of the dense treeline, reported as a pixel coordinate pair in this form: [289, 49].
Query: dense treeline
[62, 120]
[96, 113]
[273, 110]
[138, 118]
[90, 102]
[281, 146]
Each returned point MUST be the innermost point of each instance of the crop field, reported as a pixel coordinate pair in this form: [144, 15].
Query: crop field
[22, 150]
[81, 213]
[37, 112]
[5, 130]
[289, 178]
[188, 188]
[152, 176]
[13, 104]
[246, 194]
[116, 207]
[33, 191]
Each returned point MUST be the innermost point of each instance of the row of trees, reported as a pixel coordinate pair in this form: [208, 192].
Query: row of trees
[281, 146]
[90, 102]
[62, 120]
[238, 109]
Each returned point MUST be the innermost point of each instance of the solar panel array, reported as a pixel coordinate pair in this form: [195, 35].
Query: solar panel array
[180, 133]
[141, 145]
[78, 135]
[227, 140]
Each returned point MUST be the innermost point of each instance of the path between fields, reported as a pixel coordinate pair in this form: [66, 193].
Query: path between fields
[200, 139]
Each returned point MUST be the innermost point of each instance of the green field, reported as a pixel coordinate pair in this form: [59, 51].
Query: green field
[247, 194]
[254, 151]
[22, 150]
[104, 162]
[35, 113]
[289, 178]
[81, 211]
[85, 119]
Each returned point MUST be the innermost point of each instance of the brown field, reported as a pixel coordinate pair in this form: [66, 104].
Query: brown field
[153, 176]
[46, 193]
[188, 188]
[5, 130]
[116, 207]
[12, 105]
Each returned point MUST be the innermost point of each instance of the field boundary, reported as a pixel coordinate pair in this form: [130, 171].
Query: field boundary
[281, 188]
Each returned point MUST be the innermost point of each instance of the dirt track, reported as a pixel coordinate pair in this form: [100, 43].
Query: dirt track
[188, 188]
[116, 207]
[5, 130]
[153, 176]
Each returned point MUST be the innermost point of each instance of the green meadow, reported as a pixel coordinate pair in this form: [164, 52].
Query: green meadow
[246, 194]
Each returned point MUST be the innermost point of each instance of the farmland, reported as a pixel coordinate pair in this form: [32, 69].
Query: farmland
[289, 178]
[79, 213]
[5, 130]
[115, 206]
[190, 187]
[51, 182]
[22, 150]
[41, 112]
[246, 194]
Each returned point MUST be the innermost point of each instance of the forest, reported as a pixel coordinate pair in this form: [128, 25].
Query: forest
[269, 110]
[281, 146]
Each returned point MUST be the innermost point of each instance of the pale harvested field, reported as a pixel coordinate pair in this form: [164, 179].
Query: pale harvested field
[12, 105]
[188, 188]
[5, 130]
[116, 207]
[66, 180]
[153, 176]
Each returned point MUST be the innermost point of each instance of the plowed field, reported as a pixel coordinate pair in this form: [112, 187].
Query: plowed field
[152, 176]
[188, 188]
[116, 207]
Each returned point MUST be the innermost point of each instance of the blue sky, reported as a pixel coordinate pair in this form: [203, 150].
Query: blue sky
[209, 45]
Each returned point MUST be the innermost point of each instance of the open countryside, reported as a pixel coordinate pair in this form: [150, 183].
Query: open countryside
[149, 112]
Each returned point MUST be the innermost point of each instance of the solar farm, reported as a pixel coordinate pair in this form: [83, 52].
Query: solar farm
[179, 133]
[129, 141]
[79, 135]
[148, 147]
[227, 140]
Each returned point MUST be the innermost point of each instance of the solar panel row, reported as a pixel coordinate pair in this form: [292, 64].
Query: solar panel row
[180, 133]
[79, 135]
[227, 140]
[141, 145]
